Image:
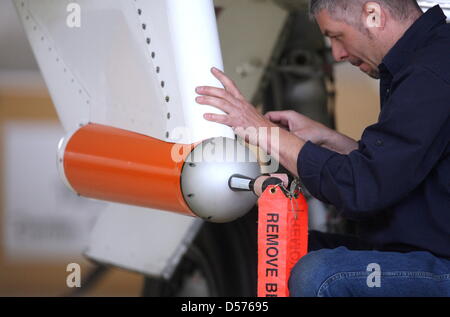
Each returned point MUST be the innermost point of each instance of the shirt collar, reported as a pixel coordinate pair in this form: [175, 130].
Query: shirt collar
[414, 38]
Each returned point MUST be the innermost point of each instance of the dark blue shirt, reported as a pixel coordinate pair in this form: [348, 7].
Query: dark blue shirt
[397, 184]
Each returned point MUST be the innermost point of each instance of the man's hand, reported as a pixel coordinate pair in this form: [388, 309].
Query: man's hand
[301, 126]
[310, 130]
[241, 115]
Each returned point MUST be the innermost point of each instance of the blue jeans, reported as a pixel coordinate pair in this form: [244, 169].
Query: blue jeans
[341, 272]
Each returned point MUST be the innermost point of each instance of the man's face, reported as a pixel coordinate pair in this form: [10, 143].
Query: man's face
[350, 44]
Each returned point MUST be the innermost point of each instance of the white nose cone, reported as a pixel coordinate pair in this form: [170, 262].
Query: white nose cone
[205, 177]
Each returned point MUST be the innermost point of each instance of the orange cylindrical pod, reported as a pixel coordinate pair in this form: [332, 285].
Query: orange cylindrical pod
[121, 166]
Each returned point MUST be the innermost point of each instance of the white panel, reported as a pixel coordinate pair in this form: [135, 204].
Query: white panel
[194, 37]
[110, 70]
[71, 100]
[142, 240]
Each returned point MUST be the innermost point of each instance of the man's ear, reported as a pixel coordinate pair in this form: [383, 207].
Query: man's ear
[374, 16]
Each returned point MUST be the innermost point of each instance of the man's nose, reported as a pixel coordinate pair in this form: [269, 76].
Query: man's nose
[339, 53]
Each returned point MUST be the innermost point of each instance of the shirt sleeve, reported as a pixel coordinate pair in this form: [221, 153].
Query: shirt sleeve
[394, 156]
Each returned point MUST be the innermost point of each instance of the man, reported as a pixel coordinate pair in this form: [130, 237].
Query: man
[395, 182]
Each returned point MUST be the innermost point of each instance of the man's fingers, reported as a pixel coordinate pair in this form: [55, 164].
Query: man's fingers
[218, 103]
[217, 92]
[227, 83]
[218, 118]
[272, 116]
[278, 117]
